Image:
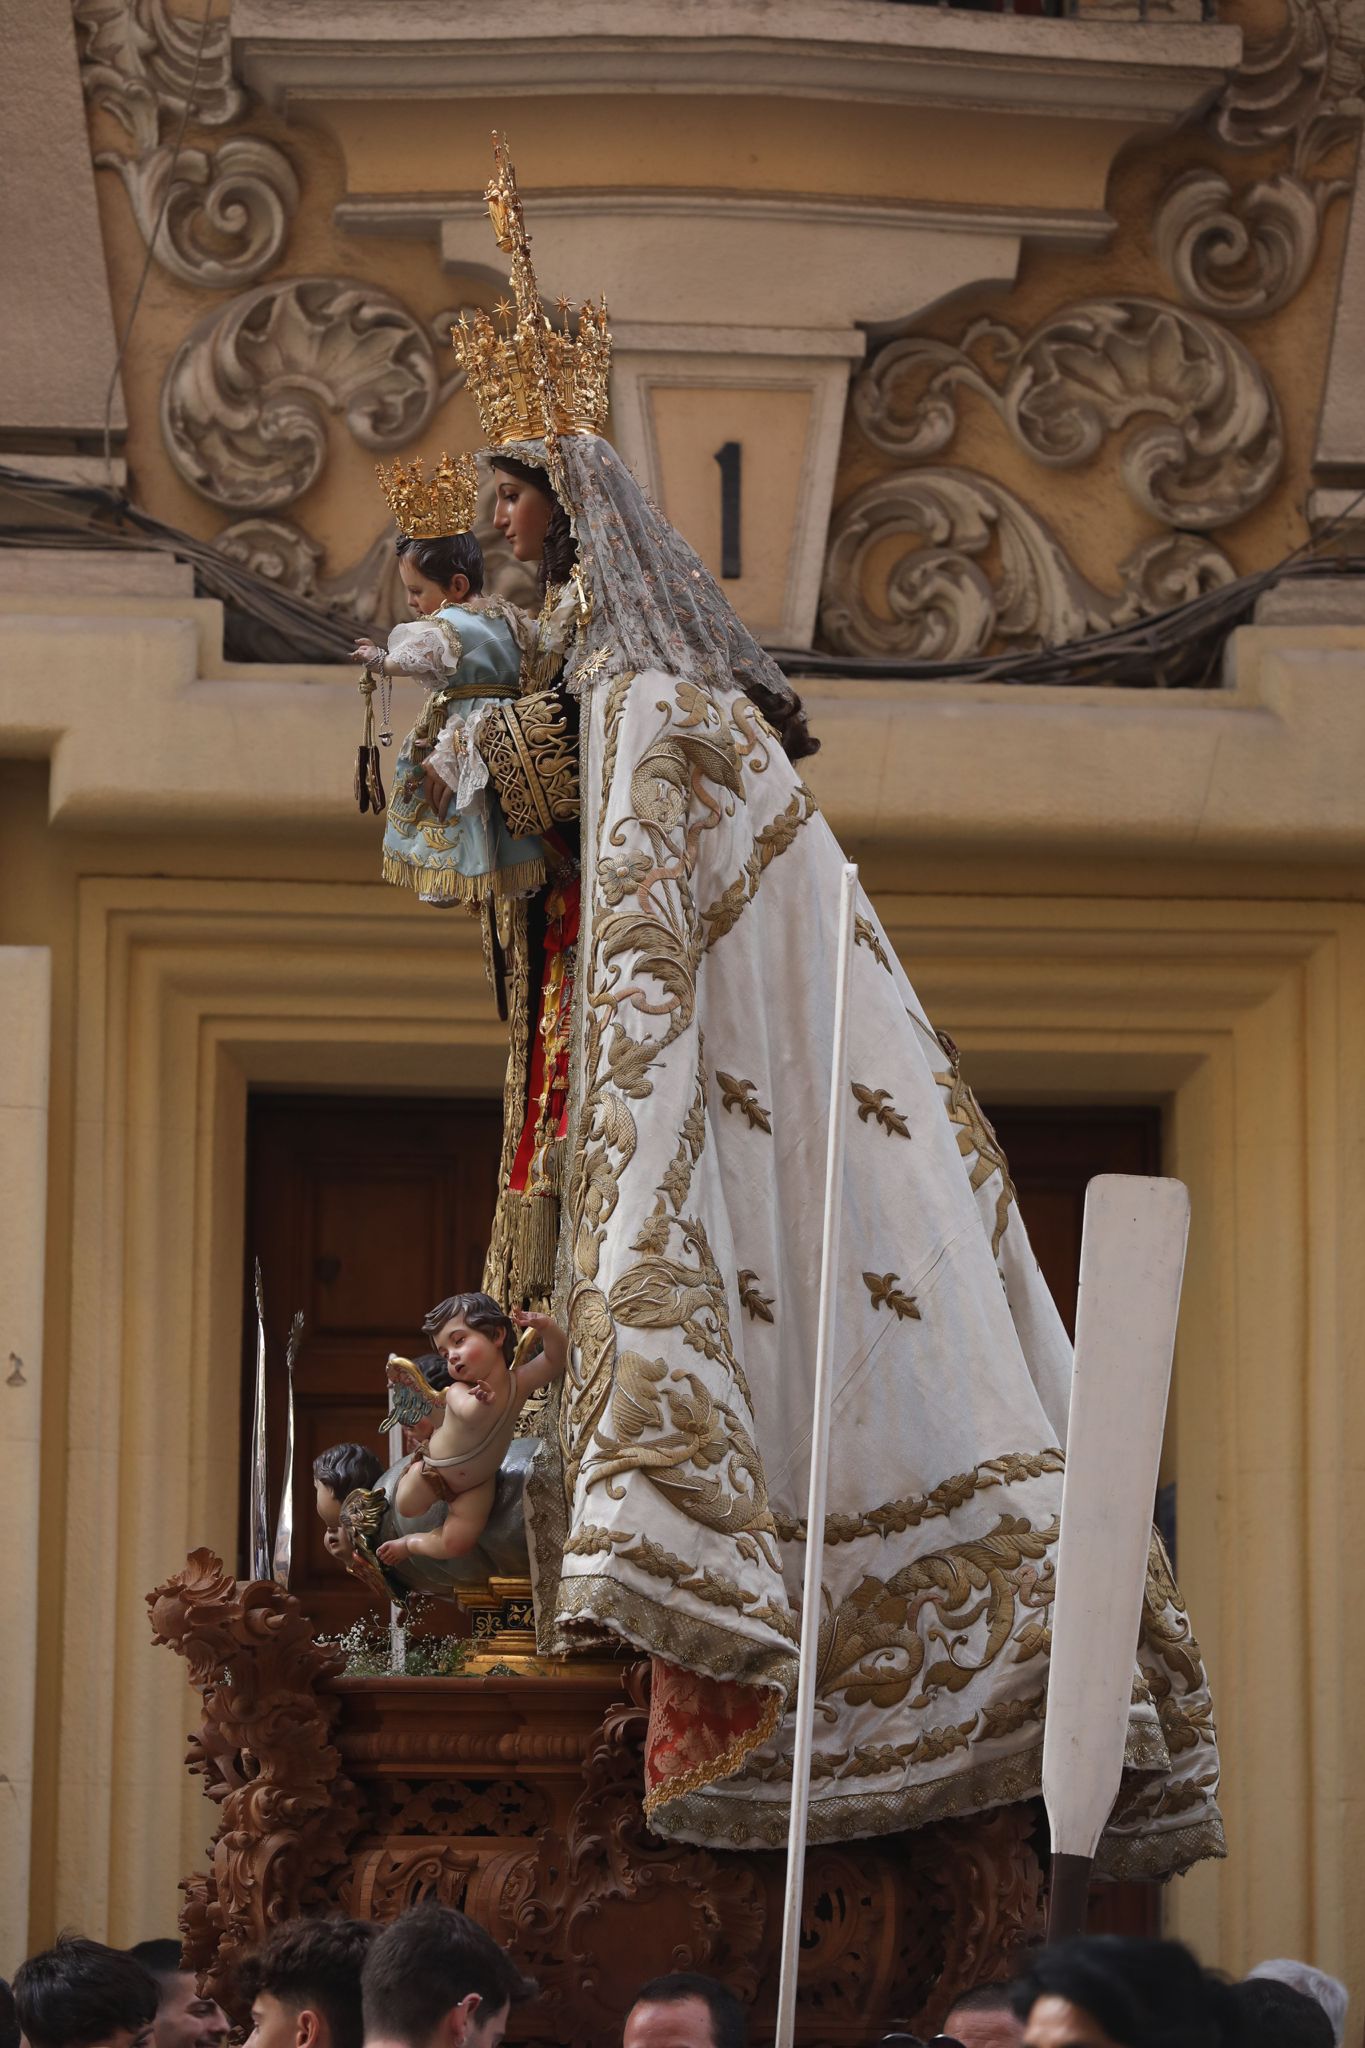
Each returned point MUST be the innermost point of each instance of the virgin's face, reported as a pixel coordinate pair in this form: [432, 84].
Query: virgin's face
[521, 516]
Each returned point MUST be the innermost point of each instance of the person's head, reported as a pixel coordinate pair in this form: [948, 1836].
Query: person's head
[303, 1984]
[185, 2016]
[1330, 1993]
[437, 572]
[684, 2010]
[473, 1335]
[337, 1471]
[434, 1979]
[80, 1994]
[1112, 1991]
[531, 519]
[1271, 2014]
[985, 2018]
[9, 2021]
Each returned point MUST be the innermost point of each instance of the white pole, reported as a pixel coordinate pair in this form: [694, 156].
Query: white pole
[398, 1642]
[819, 1476]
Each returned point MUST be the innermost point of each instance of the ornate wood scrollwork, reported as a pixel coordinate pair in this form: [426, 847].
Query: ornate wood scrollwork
[519, 1799]
[265, 1752]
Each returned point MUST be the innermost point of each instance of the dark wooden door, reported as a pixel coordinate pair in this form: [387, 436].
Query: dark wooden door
[364, 1213]
[1053, 1155]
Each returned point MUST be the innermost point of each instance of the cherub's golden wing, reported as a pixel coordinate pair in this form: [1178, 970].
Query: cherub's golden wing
[362, 1515]
[412, 1401]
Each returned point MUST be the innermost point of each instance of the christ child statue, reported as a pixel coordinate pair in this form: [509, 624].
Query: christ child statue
[477, 1413]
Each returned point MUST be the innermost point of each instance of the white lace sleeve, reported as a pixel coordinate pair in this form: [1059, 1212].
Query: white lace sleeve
[427, 648]
[457, 760]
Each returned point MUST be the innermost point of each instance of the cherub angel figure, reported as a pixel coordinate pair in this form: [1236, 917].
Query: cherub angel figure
[492, 1375]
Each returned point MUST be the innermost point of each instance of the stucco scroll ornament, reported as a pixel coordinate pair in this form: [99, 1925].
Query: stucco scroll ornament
[1241, 253]
[978, 569]
[229, 210]
[246, 397]
[1206, 442]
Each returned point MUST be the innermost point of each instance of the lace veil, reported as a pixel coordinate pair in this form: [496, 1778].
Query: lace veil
[654, 603]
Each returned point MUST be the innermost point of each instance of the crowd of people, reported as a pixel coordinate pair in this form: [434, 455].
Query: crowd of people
[435, 1979]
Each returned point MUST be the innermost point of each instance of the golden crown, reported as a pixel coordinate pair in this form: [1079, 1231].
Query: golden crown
[430, 510]
[531, 381]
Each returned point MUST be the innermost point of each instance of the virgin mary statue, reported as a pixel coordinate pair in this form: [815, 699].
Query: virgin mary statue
[697, 1020]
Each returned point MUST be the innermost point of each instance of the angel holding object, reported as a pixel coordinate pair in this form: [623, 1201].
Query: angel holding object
[492, 1375]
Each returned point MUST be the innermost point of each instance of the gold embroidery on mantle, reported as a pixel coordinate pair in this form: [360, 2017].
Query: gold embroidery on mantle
[885, 1293]
[865, 934]
[759, 1306]
[741, 1095]
[895, 1516]
[877, 1104]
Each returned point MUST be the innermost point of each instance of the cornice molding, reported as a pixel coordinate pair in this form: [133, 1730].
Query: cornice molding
[861, 50]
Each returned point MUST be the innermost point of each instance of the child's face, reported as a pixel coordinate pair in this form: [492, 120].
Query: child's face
[472, 1355]
[426, 597]
[329, 1513]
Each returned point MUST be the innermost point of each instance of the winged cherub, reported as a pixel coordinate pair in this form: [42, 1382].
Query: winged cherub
[475, 1417]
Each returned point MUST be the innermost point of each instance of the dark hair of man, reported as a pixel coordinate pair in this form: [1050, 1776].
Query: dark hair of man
[425, 1962]
[478, 1312]
[161, 1957]
[78, 1992]
[1145, 1994]
[1271, 2014]
[313, 1965]
[985, 1998]
[441, 561]
[10, 2036]
[729, 2028]
[341, 1469]
[559, 549]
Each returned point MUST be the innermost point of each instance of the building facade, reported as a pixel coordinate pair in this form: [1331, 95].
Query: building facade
[945, 334]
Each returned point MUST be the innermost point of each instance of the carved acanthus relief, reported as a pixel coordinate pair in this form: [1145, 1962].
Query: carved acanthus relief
[934, 561]
[253, 394]
[228, 211]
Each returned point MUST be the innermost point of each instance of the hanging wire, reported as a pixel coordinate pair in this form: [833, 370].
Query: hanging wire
[152, 240]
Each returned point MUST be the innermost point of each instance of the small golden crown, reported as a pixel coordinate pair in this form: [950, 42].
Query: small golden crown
[425, 510]
[532, 381]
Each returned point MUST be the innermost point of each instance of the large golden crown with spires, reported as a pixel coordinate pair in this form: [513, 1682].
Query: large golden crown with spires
[431, 508]
[530, 379]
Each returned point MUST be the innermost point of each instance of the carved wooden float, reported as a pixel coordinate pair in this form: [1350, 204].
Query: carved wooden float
[515, 1794]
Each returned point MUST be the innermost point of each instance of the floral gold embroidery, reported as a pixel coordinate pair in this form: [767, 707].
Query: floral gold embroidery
[775, 838]
[895, 1516]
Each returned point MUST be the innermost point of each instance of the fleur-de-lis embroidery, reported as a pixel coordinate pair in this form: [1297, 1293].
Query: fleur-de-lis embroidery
[760, 1306]
[865, 934]
[740, 1095]
[876, 1102]
[886, 1293]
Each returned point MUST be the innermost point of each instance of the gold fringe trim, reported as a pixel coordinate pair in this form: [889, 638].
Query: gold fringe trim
[448, 885]
[525, 1245]
[725, 1765]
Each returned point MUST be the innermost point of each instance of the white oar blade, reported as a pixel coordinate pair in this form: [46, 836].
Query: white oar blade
[1132, 1263]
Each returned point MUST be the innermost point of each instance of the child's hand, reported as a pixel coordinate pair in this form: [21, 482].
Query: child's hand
[554, 1342]
[367, 653]
[395, 1550]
